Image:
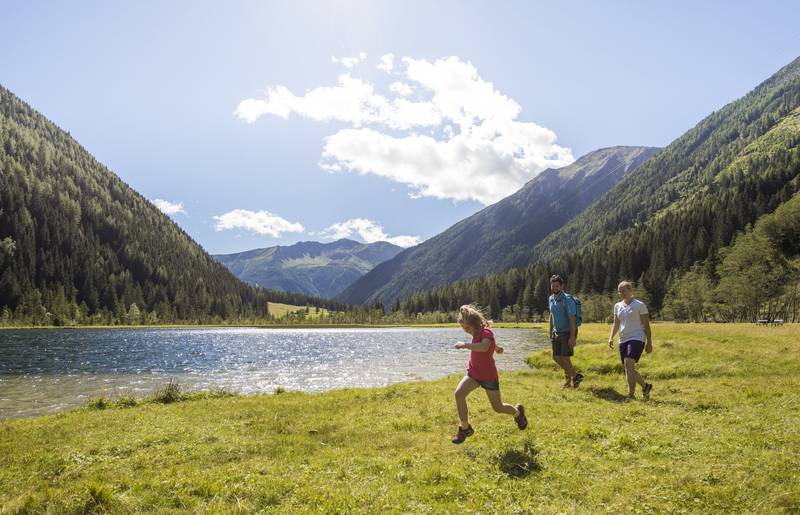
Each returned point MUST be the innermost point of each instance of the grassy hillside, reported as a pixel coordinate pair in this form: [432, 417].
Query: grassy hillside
[720, 434]
[279, 310]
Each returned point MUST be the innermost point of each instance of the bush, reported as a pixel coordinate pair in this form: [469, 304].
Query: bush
[126, 401]
[169, 393]
[99, 403]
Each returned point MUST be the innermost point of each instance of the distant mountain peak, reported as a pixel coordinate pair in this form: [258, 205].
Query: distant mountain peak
[309, 267]
[501, 235]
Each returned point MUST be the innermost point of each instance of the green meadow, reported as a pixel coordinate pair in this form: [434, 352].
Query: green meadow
[720, 434]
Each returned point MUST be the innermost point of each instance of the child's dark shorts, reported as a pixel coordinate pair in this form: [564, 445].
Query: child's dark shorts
[631, 349]
[487, 385]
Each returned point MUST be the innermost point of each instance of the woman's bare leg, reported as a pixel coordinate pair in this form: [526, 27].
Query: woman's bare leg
[632, 376]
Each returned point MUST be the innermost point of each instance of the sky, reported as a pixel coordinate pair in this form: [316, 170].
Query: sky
[255, 124]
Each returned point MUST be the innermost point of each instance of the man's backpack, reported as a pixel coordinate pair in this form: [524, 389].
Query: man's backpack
[576, 300]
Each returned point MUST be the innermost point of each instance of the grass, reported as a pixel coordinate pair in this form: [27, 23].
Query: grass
[279, 310]
[720, 434]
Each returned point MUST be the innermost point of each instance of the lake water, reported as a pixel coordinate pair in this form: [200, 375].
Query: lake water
[49, 370]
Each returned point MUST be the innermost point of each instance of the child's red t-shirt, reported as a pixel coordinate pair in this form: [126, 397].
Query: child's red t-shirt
[481, 365]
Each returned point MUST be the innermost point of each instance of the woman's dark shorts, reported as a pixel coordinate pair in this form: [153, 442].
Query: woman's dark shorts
[560, 342]
[487, 385]
[631, 349]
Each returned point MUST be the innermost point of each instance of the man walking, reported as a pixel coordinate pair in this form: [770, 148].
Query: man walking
[563, 331]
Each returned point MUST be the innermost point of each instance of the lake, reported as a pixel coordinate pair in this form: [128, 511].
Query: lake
[49, 370]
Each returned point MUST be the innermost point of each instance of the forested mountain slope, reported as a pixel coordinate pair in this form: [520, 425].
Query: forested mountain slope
[80, 246]
[502, 235]
[680, 208]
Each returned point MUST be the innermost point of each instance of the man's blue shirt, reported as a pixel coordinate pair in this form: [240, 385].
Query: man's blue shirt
[561, 307]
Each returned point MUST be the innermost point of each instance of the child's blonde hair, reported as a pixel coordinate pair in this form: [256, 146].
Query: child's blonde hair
[472, 316]
[624, 285]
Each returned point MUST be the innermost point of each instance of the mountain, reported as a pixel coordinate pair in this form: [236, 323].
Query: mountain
[694, 197]
[312, 268]
[682, 208]
[502, 235]
[78, 245]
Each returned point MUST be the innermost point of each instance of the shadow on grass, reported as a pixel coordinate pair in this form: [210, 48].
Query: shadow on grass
[520, 462]
[607, 394]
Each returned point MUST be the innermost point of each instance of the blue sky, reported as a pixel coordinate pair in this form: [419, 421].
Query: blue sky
[479, 98]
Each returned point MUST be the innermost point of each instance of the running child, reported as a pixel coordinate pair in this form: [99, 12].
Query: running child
[481, 372]
[632, 320]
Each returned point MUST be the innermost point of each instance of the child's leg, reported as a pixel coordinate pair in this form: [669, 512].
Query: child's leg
[497, 403]
[462, 390]
[632, 375]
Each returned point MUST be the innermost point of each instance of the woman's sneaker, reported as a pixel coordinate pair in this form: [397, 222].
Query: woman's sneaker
[521, 419]
[462, 434]
[646, 390]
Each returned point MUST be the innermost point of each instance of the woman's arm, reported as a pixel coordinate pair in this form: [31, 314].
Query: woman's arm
[648, 346]
[614, 330]
[483, 346]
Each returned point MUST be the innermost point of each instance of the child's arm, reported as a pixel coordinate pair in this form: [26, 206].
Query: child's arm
[483, 346]
[614, 330]
[648, 346]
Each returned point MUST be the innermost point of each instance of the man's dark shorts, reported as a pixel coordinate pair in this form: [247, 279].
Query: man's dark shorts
[631, 349]
[560, 342]
[487, 385]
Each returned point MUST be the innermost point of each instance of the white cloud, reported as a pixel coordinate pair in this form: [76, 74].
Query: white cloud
[353, 101]
[401, 88]
[259, 222]
[349, 62]
[368, 230]
[482, 151]
[169, 208]
[387, 63]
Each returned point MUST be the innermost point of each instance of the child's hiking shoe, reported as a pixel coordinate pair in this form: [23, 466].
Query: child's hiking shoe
[521, 419]
[646, 390]
[462, 434]
[576, 381]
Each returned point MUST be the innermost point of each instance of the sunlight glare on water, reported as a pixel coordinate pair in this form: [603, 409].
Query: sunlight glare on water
[48, 370]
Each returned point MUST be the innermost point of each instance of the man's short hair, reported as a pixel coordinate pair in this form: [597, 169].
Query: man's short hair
[557, 278]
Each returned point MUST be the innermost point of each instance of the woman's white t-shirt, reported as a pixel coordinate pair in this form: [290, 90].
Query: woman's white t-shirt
[630, 323]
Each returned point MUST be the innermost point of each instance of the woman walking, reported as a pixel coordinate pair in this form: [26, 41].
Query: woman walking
[632, 320]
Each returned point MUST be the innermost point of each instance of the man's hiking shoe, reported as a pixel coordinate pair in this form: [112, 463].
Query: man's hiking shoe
[576, 381]
[646, 390]
[521, 419]
[462, 434]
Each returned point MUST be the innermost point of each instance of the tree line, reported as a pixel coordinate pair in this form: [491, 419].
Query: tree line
[757, 277]
[79, 246]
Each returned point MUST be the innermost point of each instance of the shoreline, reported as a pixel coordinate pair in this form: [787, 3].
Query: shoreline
[497, 325]
[57, 390]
